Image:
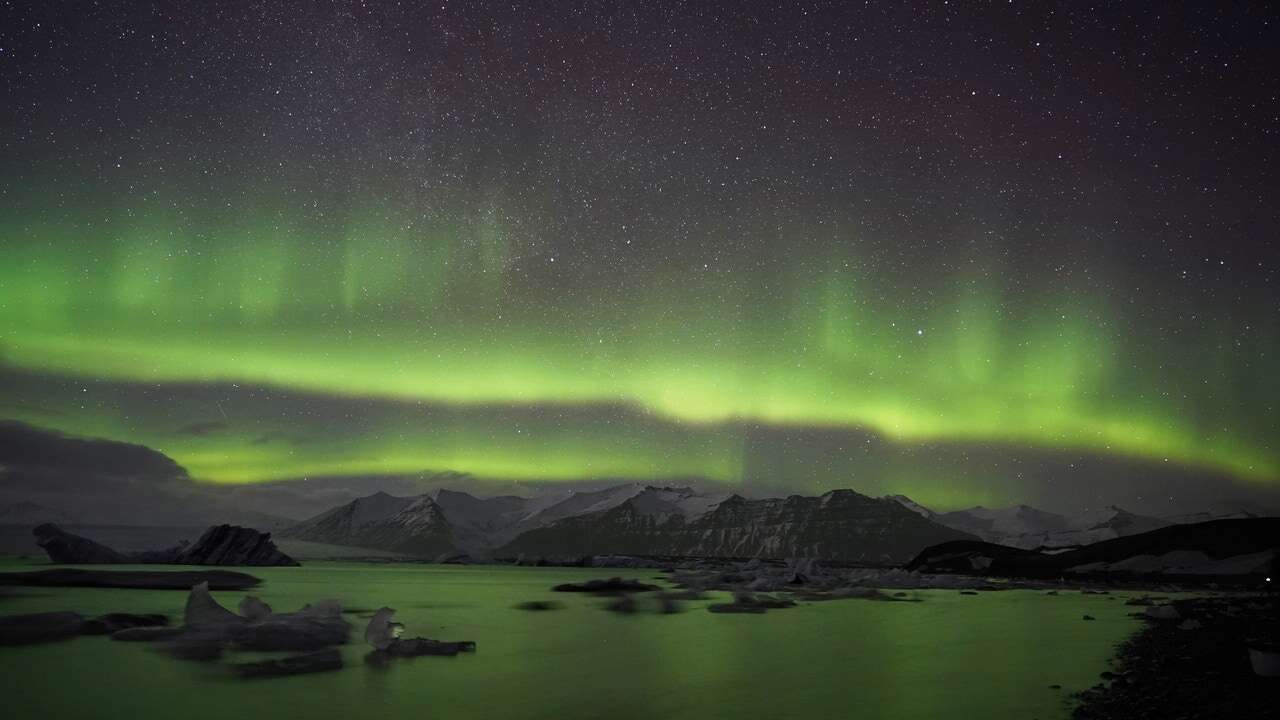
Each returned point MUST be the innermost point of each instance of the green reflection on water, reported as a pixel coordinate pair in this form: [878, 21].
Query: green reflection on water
[990, 656]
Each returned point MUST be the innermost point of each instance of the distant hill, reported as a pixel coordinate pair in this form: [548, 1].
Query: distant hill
[1030, 528]
[1019, 525]
[1218, 547]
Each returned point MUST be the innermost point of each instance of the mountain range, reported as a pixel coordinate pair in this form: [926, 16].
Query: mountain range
[631, 519]
[1029, 528]
[639, 519]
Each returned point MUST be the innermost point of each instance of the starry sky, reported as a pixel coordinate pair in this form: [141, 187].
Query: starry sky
[1016, 252]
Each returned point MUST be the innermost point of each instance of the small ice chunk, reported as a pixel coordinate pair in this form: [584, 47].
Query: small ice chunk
[381, 631]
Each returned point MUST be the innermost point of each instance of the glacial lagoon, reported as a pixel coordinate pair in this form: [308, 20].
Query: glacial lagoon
[992, 655]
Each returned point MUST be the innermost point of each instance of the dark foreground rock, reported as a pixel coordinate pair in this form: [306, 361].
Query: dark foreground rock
[612, 586]
[319, 661]
[39, 627]
[1173, 669]
[112, 623]
[51, 626]
[132, 579]
[219, 545]
[233, 545]
[415, 647]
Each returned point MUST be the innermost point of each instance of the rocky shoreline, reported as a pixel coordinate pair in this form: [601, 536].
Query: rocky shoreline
[1192, 662]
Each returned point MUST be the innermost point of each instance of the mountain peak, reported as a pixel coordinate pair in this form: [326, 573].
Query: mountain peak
[911, 505]
[439, 493]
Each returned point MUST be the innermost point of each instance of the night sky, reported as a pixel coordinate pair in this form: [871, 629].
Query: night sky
[1023, 252]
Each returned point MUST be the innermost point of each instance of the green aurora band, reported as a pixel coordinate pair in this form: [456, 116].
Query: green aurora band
[457, 309]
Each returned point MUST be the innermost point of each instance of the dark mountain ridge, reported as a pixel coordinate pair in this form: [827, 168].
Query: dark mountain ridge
[1215, 540]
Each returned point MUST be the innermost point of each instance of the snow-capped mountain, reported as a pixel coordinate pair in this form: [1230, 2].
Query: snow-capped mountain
[448, 521]
[637, 519]
[912, 505]
[1019, 525]
[1026, 527]
[629, 519]
[413, 525]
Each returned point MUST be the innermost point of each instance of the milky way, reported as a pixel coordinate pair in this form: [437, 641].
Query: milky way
[967, 254]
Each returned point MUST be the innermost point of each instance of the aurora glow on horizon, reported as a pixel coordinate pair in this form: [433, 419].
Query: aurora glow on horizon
[381, 264]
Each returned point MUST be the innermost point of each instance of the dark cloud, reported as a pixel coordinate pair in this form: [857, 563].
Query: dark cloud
[109, 482]
[28, 449]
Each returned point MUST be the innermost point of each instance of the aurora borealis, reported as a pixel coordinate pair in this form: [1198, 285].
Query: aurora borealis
[802, 247]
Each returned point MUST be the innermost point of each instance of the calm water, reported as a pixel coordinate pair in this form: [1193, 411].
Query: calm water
[989, 656]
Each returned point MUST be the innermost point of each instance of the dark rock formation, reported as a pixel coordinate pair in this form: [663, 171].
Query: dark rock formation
[612, 586]
[64, 547]
[39, 627]
[50, 626]
[233, 545]
[415, 647]
[112, 623]
[132, 579]
[1199, 671]
[318, 661]
[220, 545]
